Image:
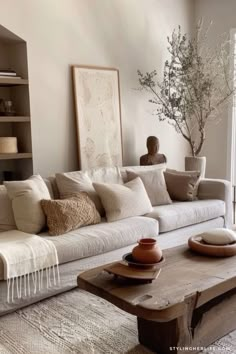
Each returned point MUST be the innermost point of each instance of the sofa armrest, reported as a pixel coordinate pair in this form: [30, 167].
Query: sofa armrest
[218, 189]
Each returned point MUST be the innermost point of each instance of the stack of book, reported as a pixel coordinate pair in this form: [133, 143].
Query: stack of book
[8, 73]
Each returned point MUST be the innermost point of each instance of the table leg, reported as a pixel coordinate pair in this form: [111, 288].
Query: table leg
[195, 331]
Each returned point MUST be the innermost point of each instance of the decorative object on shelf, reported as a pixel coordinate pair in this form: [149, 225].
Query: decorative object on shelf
[9, 108]
[6, 108]
[196, 85]
[98, 116]
[152, 157]
[197, 244]
[147, 251]
[121, 270]
[128, 258]
[8, 73]
[8, 145]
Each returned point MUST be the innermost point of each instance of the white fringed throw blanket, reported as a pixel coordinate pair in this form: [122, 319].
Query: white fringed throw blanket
[27, 258]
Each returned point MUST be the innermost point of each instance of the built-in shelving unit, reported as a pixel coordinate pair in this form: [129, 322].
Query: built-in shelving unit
[14, 119]
[13, 55]
[22, 155]
[13, 82]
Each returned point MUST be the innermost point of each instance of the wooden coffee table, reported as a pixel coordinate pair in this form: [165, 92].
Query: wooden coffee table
[191, 304]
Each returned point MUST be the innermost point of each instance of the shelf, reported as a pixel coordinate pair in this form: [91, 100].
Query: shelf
[20, 155]
[9, 119]
[12, 82]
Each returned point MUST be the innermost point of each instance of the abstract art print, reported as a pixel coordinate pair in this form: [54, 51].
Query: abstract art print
[98, 116]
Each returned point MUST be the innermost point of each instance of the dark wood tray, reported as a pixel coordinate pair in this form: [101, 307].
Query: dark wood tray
[123, 270]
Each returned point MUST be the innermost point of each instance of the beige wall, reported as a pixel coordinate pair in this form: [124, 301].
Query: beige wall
[222, 13]
[127, 34]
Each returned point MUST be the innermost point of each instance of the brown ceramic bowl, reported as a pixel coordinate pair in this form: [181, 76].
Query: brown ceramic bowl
[198, 245]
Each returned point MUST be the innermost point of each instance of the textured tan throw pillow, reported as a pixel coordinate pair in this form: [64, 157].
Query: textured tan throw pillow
[123, 201]
[155, 185]
[26, 196]
[64, 215]
[182, 187]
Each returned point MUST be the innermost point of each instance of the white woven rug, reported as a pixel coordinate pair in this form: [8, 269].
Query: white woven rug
[81, 323]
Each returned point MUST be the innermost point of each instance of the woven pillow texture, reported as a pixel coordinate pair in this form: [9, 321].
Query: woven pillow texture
[64, 215]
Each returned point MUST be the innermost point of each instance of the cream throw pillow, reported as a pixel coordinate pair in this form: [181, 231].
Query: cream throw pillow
[123, 201]
[155, 185]
[72, 183]
[7, 221]
[26, 196]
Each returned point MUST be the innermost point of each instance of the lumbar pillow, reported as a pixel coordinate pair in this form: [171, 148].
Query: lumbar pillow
[26, 196]
[123, 201]
[7, 221]
[155, 185]
[182, 187]
[64, 215]
[218, 236]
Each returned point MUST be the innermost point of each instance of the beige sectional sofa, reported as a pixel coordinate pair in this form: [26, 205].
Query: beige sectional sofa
[91, 245]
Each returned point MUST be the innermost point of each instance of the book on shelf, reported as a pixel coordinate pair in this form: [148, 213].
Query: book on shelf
[3, 73]
[9, 77]
[8, 72]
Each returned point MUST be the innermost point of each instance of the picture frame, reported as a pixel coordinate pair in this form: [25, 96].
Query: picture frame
[98, 116]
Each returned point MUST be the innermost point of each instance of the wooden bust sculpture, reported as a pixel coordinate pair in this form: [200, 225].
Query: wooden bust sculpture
[152, 157]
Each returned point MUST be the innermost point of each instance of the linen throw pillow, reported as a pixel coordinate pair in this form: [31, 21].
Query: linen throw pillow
[123, 201]
[7, 221]
[26, 196]
[82, 181]
[75, 182]
[155, 185]
[182, 187]
[196, 174]
[64, 215]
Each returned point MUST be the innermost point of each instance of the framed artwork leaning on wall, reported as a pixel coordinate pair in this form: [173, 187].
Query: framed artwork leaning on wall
[98, 116]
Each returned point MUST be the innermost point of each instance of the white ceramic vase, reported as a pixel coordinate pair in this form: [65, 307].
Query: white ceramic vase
[197, 163]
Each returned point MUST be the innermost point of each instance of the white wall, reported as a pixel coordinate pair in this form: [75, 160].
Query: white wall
[127, 34]
[222, 13]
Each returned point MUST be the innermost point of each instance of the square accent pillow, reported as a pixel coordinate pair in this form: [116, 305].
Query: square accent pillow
[123, 201]
[26, 196]
[75, 182]
[64, 215]
[70, 183]
[182, 186]
[155, 185]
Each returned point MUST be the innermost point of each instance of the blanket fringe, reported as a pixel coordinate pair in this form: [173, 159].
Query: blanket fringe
[33, 282]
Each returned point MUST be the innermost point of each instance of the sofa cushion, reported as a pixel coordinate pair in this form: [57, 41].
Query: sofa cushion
[92, 240]
[123, 201]
[7, 221]
[104, 237]
[181, 214]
